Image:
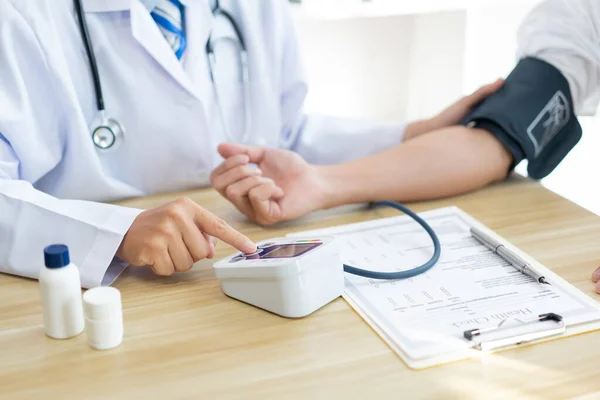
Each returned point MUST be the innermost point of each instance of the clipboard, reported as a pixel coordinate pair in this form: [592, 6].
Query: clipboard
[510, 342]
[508, 333]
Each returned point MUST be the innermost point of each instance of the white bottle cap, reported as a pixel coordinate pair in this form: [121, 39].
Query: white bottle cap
[103, 317]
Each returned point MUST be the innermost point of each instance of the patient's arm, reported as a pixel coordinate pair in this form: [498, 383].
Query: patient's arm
[445, 162]
[448, 161]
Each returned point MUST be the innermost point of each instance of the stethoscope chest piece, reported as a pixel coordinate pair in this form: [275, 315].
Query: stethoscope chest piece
[108, 135]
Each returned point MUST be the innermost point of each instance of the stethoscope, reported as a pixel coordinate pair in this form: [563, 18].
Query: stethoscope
[110, 133]
[212, 64]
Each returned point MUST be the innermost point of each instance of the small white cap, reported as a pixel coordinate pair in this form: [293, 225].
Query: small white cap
[101, 303]
[104, 317]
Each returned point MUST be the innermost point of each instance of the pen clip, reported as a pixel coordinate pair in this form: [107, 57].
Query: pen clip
[478, 336]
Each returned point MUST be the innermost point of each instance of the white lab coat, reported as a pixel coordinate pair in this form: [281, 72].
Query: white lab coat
[52, 179]
[566, 34]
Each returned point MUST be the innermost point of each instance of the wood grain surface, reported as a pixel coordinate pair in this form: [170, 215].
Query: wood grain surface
[185, 339]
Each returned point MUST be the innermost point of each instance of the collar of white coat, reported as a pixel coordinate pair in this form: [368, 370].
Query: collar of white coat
[146, 32]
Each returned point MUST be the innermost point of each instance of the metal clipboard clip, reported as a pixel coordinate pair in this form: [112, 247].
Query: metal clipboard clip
[500, 336]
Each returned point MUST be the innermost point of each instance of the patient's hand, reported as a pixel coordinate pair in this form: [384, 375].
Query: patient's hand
[454, 113]
[596, 279]
[285, 187]
[282, 187]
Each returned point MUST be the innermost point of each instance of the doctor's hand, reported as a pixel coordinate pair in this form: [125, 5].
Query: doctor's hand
[281, 187]
[454, 113]
[172, 237]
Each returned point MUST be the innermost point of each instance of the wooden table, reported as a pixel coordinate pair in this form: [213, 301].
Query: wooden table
[185, 339]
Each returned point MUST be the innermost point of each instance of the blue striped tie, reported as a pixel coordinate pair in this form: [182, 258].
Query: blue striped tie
[168, 15]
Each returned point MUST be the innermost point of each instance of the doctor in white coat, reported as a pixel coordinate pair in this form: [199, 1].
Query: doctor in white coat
[156, 83]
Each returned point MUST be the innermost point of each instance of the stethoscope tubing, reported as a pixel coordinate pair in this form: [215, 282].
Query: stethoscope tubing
[437, 250]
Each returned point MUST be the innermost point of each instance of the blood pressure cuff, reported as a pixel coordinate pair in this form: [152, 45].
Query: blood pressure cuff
[532, 115]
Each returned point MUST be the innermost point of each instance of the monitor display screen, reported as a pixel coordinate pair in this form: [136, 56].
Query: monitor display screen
[288, 250]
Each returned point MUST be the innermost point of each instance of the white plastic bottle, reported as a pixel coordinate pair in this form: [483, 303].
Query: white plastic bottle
[60, 287]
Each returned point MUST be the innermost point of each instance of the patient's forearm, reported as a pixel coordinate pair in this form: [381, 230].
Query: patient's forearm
[446, 162]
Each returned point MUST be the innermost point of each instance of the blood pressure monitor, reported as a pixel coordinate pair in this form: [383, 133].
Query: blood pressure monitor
[289, 277]
[293, 277]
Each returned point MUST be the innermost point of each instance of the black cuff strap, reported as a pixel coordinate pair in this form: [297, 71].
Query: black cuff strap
[532, 115]
[509, 143]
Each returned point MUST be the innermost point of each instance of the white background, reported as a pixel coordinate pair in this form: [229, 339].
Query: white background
[407, 59]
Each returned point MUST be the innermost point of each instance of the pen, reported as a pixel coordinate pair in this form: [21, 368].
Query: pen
[508, 255]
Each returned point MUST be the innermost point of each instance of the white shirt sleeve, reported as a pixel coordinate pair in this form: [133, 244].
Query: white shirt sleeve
[30, 117]
[566, 34]
[330, 140]
[322, 139]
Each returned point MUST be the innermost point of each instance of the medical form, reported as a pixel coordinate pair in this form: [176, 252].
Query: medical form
[470, 287]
